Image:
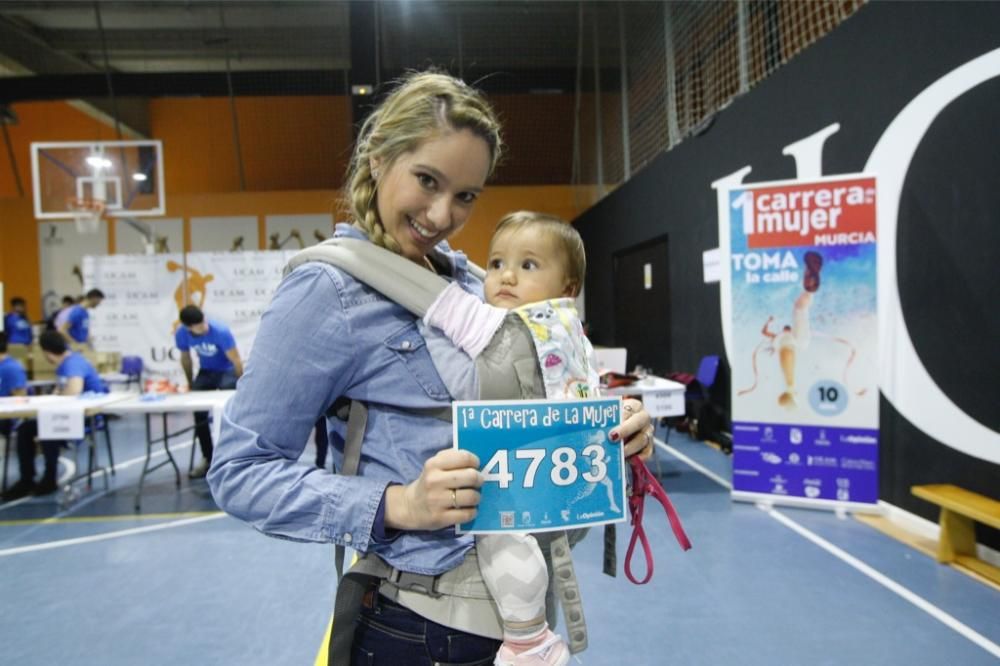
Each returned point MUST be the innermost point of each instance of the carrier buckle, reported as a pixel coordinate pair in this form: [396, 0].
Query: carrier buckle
[414, 582]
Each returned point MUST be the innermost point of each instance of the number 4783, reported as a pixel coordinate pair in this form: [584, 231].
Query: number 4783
[563, 473]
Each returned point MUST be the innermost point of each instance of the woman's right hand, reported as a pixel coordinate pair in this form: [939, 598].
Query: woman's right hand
[446, 493]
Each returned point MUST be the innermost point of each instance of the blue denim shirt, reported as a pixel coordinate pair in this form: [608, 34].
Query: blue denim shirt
[326, 335]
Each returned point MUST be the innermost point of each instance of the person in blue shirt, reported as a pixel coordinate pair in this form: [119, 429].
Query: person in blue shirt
[219, 366]
[75, 375]
[13, 382]
[16, 324]
[58, 317]
[75, 325]
[13, 379]
[420, 163]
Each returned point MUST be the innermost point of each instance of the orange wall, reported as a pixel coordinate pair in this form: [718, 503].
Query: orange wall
[295, 151]
[287, 143]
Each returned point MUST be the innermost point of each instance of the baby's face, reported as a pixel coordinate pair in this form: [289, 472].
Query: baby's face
[526, 265]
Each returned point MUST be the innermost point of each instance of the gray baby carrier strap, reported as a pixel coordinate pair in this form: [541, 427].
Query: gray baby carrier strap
[415, 288]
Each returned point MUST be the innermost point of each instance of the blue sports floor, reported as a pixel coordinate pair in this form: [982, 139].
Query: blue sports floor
[180, 583]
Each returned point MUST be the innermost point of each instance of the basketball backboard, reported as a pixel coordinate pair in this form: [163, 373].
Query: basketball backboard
[126, 175]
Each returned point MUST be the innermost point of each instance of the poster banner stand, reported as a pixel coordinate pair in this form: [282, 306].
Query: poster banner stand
[804, 318]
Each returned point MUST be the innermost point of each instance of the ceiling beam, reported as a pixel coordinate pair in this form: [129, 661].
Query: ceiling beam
[31, 54]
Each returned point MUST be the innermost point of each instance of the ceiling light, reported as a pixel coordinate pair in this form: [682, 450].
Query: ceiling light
[98, 162]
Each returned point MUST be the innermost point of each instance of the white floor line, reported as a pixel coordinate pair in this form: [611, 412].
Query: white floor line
[120, 466]
[691, 463]
[880, 578]
[885, 581]
[156, 454]
[49, 545]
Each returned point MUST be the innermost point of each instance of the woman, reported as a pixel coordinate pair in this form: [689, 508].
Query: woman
[421, 160]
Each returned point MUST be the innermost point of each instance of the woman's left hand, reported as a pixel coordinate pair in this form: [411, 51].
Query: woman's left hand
[636, 430]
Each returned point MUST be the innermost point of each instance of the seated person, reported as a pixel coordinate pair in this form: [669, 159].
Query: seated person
[75, 375]
[13, 380]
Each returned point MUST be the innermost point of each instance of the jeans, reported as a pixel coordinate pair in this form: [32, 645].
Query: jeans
[389, 635]
[209, 380]
[26, 434]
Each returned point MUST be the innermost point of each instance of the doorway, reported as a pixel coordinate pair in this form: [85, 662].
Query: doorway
[642, 304]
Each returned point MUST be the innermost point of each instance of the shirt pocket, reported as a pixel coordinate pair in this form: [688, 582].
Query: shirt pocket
[411, 349]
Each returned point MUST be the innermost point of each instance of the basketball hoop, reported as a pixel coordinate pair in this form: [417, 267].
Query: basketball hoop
[87, 214]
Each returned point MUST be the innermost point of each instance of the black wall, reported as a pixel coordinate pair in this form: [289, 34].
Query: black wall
[948, 246]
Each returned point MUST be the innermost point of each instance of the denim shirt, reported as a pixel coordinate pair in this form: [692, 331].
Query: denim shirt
[327, 335]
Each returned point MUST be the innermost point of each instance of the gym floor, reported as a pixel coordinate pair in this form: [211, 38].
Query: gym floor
[92, 581]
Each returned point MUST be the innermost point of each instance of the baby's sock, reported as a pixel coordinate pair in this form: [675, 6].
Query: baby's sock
[522, 638]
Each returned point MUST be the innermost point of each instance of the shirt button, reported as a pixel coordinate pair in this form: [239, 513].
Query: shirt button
[406, 344]
[347, 538]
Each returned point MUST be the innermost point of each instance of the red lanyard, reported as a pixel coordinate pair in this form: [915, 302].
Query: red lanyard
[644, 483]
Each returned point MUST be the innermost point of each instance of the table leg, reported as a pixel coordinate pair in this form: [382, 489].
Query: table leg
[145, 464]
[146, 467]
[170, 456]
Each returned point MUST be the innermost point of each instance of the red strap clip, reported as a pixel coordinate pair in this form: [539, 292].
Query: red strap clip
[644, 483]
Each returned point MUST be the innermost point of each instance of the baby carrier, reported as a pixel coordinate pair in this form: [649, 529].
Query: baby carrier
[507, 369]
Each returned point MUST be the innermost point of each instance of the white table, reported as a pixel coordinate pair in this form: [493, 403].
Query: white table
[163, 404]
[661, 397]
[26, 407]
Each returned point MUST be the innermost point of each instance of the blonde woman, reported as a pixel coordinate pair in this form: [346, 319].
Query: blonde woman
[421, 161]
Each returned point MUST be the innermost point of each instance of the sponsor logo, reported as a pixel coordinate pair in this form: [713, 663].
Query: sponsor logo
[857, 463]
[821, 461]
[859, 439]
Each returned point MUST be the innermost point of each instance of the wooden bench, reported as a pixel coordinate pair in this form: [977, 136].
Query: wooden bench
[960, 509]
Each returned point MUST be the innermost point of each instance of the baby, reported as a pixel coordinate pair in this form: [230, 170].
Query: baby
[535, 270]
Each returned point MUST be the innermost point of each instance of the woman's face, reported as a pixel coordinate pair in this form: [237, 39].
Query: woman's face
[428, 194]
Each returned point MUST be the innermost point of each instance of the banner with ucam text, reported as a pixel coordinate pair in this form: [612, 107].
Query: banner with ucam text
[143, 294]
[805, 341]
[235, 288]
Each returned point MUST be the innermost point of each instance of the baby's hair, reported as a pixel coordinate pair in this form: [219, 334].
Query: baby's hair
[564, 234]
[422, 106]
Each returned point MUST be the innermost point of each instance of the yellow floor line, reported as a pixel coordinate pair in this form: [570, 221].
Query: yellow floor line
[323, 655]
[107, 519]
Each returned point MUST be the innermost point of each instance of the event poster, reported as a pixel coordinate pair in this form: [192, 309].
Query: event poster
[144, 293]
[804, 366]
[236, 288]
[141, 293]
[547, 464]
